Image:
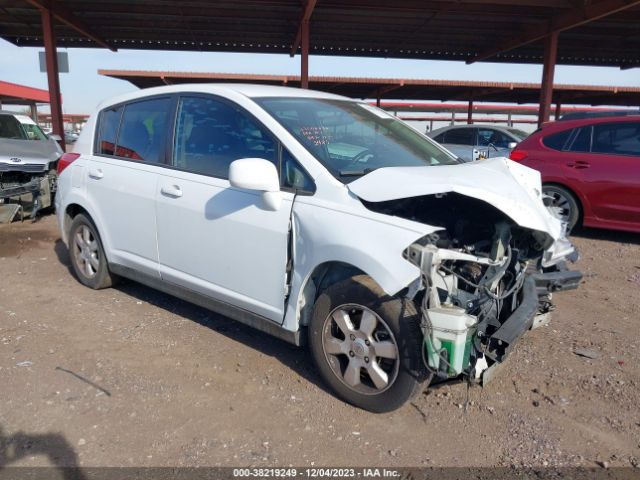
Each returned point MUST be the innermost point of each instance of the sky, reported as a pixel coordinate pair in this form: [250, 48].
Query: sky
[83, 89]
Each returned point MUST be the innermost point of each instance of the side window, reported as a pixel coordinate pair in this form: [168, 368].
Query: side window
[582, 140]
[557, 140]
[490, 136]
[617, 138]
[143, 130]
[292, 175]
[440, 138]
[461, 136]
[211, 134]
[108, 130]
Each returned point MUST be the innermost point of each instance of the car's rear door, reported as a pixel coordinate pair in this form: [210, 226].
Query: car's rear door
[121, 180]
[215, 239]
[604, 159]
[461, 141]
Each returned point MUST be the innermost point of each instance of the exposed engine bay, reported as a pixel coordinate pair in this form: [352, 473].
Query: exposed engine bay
[32, 185]
[482, 280]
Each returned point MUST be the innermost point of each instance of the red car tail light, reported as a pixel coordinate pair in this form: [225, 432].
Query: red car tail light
[518, 155]
[65, 160]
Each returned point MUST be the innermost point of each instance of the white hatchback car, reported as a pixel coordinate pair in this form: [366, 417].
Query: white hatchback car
[320, 220]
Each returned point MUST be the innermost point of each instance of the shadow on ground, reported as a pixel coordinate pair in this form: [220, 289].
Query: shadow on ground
[607, 235]
[289, 355]
[61, 455]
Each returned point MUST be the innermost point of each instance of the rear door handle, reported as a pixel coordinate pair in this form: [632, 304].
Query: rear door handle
[582, 164]
[171, 191]
[97, 174]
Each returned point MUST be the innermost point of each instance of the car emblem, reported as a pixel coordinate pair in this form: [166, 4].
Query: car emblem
[15, 160]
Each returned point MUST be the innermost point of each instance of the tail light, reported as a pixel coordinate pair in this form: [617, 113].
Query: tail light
[518, 155]
[65, 160]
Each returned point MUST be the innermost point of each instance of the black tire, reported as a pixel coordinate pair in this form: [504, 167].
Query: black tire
[400, 316]
[570, 203]
[102, 277]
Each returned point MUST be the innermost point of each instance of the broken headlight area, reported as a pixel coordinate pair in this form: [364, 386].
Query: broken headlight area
[31, 189]
[482, 281]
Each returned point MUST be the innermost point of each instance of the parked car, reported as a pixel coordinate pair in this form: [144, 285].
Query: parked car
[318, 219]
[28, 160]
[590, 168]
[471, 142]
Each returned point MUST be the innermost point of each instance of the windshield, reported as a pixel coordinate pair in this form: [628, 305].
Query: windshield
[352, 139]
[518, 133]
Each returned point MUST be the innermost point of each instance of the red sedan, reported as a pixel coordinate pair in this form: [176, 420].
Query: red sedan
[591, 169]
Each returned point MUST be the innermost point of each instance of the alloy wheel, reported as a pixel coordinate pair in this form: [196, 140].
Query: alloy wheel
[85, 251]
[360, 349]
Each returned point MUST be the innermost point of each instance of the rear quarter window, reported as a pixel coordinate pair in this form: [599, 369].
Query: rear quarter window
[556, 141]
[108, 131]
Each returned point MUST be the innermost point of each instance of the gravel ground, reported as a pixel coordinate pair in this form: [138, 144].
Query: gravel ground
[132, 377]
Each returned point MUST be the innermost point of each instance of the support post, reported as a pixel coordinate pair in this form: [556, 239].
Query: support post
[51, 55]
[378, 101]
[509, 120]
[34, 112]
[304, 58]
[557, 114]
[470, 112]
[548, 70]
[431, 125]
[453, 118]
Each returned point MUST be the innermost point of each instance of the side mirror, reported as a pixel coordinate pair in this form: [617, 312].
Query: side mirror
[512, 145]
[259, 175]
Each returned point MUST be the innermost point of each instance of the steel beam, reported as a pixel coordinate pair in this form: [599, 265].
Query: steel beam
[304, 57]
[51, 54]
[65, 16]
[564, 21]
[306, 16]
[548, 70]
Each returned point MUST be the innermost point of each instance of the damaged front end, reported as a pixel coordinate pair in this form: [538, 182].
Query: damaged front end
[26, 184]
[484, 280]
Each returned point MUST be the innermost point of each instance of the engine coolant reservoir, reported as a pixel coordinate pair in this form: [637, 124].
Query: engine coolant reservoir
[449, 334]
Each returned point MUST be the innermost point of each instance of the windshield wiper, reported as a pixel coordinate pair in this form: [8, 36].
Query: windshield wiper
[355, 173]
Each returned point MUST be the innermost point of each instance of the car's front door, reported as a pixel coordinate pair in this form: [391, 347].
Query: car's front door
[462, 141]
[215, 239]
[495, 142]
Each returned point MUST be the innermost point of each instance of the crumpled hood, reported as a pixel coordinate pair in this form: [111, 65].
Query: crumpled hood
[29, 151]
[508, 186]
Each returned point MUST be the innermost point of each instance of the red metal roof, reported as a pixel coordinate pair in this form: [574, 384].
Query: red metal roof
[401, 89]
[12, 93]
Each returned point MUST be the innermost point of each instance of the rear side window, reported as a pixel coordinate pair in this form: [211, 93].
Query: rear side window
[582, 140]
[617, 138]
[143, 130]
[439, 138]
[461, 136]
[557, 140]
[108, 130]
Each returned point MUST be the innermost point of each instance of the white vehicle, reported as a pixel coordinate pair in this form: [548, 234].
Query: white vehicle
[320, 220]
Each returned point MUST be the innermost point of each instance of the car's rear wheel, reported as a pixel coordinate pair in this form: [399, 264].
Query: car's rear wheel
[87, 255]
[367, 345]
[563, 204]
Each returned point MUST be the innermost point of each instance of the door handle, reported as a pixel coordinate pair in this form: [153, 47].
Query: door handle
[582, 164]
[171, 191]
[97, 174]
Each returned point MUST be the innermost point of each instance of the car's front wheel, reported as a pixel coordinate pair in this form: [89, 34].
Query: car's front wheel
[367, 345]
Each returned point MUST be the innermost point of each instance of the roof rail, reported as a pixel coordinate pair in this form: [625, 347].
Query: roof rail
[609, 113]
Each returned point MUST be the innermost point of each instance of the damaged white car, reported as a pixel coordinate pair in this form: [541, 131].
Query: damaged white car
[321, 220]
[28, 160]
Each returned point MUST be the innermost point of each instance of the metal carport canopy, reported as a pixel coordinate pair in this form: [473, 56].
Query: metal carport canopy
[401, 89]
[594, 32]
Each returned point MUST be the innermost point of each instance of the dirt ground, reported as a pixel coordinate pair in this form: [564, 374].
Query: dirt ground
[132, 377]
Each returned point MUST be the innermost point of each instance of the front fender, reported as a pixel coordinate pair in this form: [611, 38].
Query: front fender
[373, 243]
